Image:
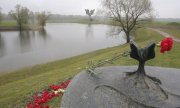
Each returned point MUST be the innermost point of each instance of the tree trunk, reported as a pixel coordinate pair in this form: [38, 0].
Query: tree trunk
[20, 27]
[127, 36]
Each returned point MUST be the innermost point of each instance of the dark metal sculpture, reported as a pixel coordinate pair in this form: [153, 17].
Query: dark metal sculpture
[142, 55]
[111, 88]
[90, 13]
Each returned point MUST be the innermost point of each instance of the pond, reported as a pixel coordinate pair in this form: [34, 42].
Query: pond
[55, 42]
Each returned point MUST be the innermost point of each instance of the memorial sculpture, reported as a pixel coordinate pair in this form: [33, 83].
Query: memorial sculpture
[90, 13]
[124, 86]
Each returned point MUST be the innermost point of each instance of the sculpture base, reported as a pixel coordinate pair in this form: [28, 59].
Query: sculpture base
[111, 88]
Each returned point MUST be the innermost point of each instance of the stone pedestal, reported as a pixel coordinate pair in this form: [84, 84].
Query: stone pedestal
[111, 88]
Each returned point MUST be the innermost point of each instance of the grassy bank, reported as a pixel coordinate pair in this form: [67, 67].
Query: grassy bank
[12, 26]
[8, 24]
[172, 28]
[19, 85]
[173, 32]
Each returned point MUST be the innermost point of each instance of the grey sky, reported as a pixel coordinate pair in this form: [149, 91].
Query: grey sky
[164, 8]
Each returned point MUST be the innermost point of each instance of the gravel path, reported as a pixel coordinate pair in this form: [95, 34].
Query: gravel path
[165, 34]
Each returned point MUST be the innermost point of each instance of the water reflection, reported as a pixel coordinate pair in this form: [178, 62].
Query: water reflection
[57, 41]
[43, 32]
[89, 31]
[2, 46]
[27, 39]
[117, 33]
[24, 41]
[33, 33]
[114, 31]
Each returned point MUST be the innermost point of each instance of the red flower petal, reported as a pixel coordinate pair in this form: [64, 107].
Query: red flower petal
[54, 95]
[47, 106]
[30, 105]
[166, 44]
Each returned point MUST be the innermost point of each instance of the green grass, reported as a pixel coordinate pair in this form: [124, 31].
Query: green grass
[173, 28]
[7, 23]
[174, 24]
[174, 32]
[156, 23]
[19, 85]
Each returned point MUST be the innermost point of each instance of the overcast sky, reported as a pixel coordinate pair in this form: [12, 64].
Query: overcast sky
[163, 8]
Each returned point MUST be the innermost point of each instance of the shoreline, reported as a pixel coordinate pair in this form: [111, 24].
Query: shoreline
[19, 83]
[34, 28]
[16, 28]
[57, 60]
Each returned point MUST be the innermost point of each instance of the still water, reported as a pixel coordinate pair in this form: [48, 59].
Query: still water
[55, 42]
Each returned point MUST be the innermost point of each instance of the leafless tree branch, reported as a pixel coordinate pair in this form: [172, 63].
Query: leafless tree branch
[129, 13]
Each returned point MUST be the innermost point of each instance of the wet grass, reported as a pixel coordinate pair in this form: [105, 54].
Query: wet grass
[19, 85]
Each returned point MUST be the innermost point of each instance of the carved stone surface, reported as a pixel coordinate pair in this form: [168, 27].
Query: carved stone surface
[111, 88]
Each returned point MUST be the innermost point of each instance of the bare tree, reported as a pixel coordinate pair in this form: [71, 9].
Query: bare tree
[21, 15]
[90, 13]
[128, 13]
[32, 17]
[42, 17]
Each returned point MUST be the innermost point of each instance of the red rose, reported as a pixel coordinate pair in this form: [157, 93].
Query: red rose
[41, 106]
[166, 44]
[54, 95]
[38, 99]
[30, 105]
[52, 87]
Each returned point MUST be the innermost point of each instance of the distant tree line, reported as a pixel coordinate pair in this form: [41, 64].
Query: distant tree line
[23, 16]
[128, 14]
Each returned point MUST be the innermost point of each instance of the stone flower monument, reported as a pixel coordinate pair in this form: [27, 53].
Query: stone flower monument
[126, 86]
